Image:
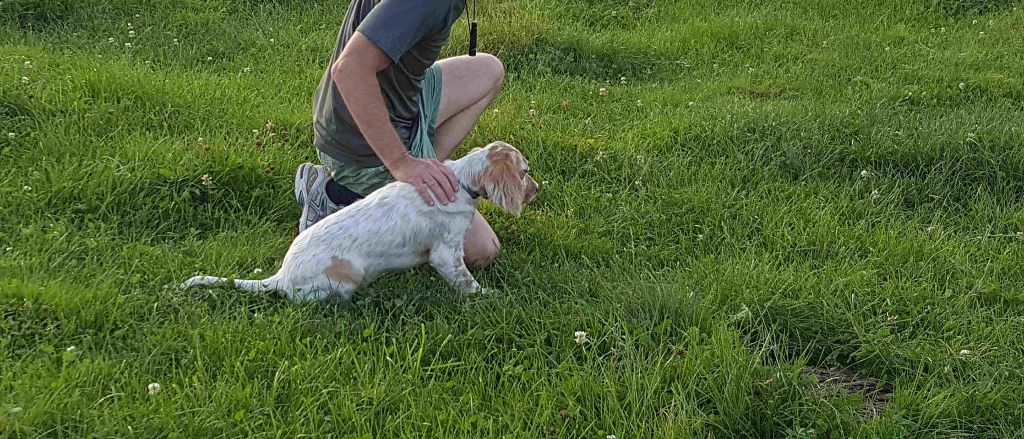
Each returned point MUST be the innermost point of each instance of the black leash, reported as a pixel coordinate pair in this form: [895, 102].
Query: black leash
[471, 16]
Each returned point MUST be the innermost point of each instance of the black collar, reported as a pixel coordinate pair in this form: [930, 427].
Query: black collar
[472, 193]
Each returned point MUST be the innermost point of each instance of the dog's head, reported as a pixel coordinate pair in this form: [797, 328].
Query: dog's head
[505, 177]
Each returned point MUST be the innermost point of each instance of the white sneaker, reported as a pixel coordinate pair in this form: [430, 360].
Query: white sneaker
[311, 193]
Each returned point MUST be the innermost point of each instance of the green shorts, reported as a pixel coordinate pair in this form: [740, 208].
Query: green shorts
[363, 181]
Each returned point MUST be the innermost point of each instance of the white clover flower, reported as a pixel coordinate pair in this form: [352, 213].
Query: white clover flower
[258, 271]
[247, 70]
[27, 188]
[129, 25]
[200, 140]
[981, 34]
[71, 349]
[963, 86]
[690, 103]
[533, 112]
[15, 410]
[131, 34]
[864, 173]
[610, 436]
[11, 136]
[942, 29]
[495, 111]
[271, 40]
[127, 45]
[974, 21]
[25, 80]
[9, 249]
[255, 131]
[639, 104]
[209, 58]
[875, 194]
[581, 337]
[28, 64]
[175, 41]
[602, 91]
[110, 40]
[964, 353]
[153, 388]
[206, 180]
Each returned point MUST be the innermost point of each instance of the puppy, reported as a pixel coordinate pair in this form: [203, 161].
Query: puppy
[393, 230]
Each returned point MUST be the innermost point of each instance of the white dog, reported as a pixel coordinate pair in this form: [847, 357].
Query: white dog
[393, 230]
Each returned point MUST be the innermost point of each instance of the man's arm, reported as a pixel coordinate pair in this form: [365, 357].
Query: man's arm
[355, 76]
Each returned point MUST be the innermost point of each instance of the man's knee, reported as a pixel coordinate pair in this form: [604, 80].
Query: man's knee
[494, 68]
[484, 254]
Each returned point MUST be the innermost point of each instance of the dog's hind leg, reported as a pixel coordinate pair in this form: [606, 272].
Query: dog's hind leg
[323, 289]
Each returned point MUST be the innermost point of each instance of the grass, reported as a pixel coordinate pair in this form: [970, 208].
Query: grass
[707, 223]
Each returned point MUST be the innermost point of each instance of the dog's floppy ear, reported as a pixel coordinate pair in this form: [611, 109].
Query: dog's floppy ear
[502, 182]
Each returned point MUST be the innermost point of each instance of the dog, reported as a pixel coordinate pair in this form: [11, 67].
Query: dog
[392, 229]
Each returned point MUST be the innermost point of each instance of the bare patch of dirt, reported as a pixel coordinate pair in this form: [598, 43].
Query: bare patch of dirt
[876, 397]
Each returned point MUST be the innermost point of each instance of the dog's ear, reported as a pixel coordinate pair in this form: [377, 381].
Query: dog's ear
[502, 180]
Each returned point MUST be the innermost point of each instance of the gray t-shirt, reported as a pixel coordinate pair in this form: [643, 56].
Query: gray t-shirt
[411, 33]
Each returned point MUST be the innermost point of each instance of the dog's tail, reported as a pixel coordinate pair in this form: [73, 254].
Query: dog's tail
[257, 286]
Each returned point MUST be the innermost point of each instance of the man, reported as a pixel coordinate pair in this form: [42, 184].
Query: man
[387, 109]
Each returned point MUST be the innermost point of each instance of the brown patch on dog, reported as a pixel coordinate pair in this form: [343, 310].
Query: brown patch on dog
[342, 271]
[499, 147]
[502, 178]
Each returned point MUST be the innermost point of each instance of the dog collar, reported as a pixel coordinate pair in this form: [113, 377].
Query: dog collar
[472, 193]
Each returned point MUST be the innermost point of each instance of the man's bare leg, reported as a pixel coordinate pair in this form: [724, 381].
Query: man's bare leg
[469, 84]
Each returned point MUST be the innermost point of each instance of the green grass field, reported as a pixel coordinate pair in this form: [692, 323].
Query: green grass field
[770, 191]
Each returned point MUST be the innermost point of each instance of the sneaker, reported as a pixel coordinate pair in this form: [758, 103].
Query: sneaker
[310, 192]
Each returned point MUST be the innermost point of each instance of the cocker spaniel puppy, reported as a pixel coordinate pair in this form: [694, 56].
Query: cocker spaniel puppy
[393, 229]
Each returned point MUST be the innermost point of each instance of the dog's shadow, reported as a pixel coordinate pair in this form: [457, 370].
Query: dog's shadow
[420, 292]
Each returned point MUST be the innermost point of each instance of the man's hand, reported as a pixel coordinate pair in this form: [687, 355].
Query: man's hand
[428, 176]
